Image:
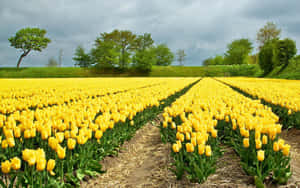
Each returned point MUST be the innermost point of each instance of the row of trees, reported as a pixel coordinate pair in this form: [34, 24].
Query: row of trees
[273, 51]
[123, 49]
[117, 49]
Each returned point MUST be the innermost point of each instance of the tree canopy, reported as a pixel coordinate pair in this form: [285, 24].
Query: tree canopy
[267, 33]
[163, 54]
[29, 39]
[238, 52]
[81, 58]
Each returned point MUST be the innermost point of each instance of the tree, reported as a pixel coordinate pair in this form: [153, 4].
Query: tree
[60, 56]
[52, 62]
[208, 61]
[238, 52]
[144, 41]
[285, 50]
[125, 42]
[81, 58]
[218, 60]
[163, 55]
[267, 33]
[180, 56]
[29, 39]
[266, 56]
[144, 59]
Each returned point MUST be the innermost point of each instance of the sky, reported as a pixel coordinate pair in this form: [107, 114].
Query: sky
[203, 28]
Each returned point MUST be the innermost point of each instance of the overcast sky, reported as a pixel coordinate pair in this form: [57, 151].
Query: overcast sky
[202, 28]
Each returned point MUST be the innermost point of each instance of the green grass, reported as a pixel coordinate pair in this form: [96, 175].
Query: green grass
[157, 71]
[292, 71]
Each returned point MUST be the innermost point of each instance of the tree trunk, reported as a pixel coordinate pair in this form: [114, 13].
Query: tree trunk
[21, 57]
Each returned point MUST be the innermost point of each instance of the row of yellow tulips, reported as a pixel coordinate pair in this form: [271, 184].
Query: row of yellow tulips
[249, 126]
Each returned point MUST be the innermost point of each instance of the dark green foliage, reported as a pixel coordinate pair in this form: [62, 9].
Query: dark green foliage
[266, 56]
[238, 52]
[81, 58]
[285, 50]
[163, 55]
[217, 60]
[29, 39]
[143, 60]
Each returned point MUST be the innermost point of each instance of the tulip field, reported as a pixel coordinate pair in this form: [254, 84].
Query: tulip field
[55, 132]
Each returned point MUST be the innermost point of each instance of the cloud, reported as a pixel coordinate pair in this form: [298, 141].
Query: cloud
[202, 28]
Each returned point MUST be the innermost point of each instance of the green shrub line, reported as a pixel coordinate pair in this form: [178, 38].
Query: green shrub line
[84, 160]
[287, 120]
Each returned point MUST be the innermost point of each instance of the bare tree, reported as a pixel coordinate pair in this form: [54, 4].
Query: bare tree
[180, 56]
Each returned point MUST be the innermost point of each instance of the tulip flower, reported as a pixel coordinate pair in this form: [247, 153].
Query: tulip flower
[261, 155]
[15, 163]
[6, 166]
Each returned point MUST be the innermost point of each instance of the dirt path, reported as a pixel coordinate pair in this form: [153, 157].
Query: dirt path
[292, 137]
[144, 162]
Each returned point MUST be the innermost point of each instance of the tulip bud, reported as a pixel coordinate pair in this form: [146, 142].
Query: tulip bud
[175, 148]
[261, 155]
[201, 149]
[265, 140]
[276, 146]
[246, 142]
[50, 166]
[71, 143]
[208, 151]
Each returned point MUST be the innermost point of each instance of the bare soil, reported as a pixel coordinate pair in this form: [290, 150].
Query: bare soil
[144, 161]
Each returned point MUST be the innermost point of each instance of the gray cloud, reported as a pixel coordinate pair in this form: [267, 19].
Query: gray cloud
[202, 28]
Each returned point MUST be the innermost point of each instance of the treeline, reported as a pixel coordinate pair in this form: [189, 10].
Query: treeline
[272, 51]
[123, 50]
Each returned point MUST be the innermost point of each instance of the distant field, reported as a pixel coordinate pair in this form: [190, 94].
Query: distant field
[157, 71]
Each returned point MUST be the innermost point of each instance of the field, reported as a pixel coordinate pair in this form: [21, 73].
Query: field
[155, 132]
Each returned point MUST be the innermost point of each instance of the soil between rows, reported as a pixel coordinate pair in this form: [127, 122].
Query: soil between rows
[144, 161]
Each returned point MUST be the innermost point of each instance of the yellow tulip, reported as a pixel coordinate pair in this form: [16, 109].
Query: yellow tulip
[275, 146]
[261, 155]
[265, 139]
[175, 148]
[27, 134]
[11, 142]
[98, 134]
[214, 133]
[131, 122]
[60, 137]
[189, 147]
[281, 143]
[165, 124]
[258, 144]
[208, 151]
[286, 150]
[71, 143]
[17, 132]
[246, 142]
[41, 164]
[4, 144]
[201, 149]
[5, 167]
[61, 152]
[51, 166]
[15, 163]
